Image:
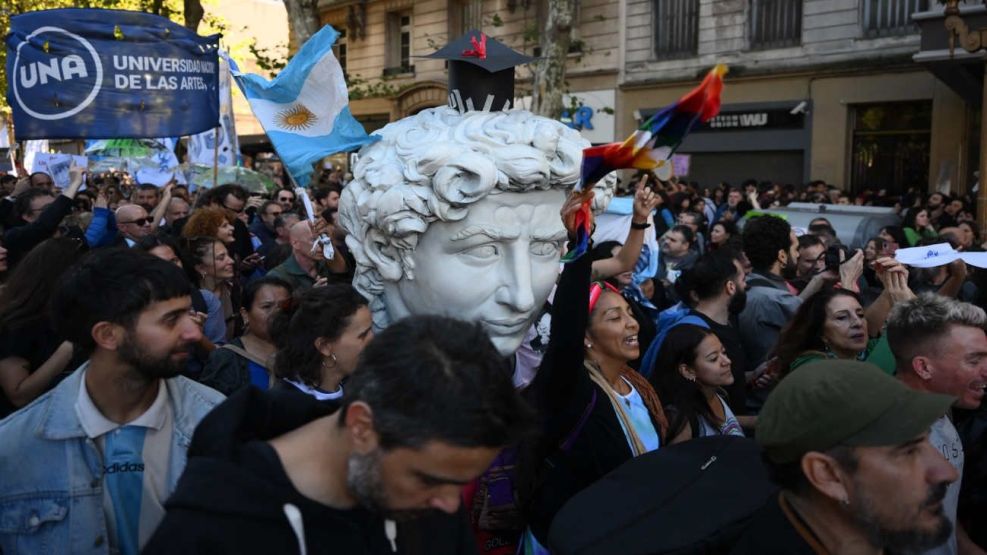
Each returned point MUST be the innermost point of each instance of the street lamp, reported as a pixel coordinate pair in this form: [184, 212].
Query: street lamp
[971, 41]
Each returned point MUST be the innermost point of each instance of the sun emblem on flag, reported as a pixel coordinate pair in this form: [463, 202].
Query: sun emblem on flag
[296, 118]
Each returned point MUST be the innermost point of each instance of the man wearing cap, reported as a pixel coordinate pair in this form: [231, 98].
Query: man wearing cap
[849, 447]
[939, 346]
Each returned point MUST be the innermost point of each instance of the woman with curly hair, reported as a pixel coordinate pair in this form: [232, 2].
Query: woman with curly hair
[209, 222]
[319, 336]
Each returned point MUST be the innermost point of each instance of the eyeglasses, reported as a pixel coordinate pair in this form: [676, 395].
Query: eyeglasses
[139, 221]
[238, 211]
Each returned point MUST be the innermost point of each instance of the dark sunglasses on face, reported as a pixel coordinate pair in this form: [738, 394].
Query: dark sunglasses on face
[242, 208]
[139, 221]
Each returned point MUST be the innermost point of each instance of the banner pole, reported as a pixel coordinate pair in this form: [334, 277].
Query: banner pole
[215, 158]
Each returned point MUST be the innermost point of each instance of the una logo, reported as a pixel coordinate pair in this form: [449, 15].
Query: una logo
[38, 77]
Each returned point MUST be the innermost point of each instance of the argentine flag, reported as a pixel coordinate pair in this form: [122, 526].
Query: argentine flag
[305, 109]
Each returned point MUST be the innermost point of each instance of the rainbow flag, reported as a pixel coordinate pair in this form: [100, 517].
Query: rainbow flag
[648, 148]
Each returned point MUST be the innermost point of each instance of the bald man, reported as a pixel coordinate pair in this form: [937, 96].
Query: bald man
[133, 223]
[178, 208]
[306, 267]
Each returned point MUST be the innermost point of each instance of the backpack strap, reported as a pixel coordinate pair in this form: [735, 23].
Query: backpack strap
[243, 352]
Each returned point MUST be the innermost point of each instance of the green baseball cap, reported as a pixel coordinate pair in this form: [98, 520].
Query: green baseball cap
[841, 402]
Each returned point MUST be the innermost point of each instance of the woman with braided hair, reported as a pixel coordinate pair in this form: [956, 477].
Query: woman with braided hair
[597, 411]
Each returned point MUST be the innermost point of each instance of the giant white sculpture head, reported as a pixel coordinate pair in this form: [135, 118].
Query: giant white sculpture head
[458, 214]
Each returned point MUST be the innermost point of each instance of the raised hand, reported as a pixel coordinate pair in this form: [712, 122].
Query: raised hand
[645, 200]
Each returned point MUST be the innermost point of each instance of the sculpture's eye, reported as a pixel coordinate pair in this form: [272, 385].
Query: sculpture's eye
[482, 252]
[544, 248]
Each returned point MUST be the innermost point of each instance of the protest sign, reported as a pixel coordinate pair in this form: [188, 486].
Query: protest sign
[680, 164]
[87, 73]
[938, 255]
[57, 166]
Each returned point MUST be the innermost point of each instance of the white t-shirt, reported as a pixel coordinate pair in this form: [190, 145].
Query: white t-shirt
[150, 437]
[943, 436]
[317, 393]
[640, 419]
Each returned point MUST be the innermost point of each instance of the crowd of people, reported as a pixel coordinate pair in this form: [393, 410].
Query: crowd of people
[194, 371]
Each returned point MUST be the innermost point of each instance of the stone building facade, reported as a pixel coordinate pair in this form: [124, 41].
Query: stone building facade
[386, 39]
[818, 89]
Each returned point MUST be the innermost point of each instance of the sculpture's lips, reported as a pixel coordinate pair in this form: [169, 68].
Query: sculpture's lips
[506, 326]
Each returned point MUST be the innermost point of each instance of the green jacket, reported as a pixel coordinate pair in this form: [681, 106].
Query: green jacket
[290, 271]
[914, 236]
[878, 353]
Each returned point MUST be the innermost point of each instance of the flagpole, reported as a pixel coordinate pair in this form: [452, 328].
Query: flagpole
[215, 158]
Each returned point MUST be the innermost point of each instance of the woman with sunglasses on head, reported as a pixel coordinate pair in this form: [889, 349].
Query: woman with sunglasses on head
[33, 357]
[597, 412]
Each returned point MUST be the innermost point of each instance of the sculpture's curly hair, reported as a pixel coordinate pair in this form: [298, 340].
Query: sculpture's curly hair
[432, 166]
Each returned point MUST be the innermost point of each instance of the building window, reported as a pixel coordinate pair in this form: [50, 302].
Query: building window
[775, 23]
[399, 43]
[891, 144]
[676, 25]
[890, 17]
[464, 15]
[339, 49]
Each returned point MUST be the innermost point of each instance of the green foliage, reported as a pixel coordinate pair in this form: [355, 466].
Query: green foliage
[532, 32]
[269, 61]
[496, 21]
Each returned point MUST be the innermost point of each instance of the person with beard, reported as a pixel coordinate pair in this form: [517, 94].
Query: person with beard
[940, 346]
[849, 447]
[772, 248]
[86, 467]
[715, 290]
[428, 408]
[146, 196]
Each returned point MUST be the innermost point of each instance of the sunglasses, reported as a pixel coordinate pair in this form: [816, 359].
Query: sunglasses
[242, 208]
[139, 221]
[596, 289]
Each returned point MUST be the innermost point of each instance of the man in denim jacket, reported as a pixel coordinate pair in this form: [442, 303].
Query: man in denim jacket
[87, 467]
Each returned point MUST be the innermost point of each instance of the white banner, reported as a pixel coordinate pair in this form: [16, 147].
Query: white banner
[202, 147]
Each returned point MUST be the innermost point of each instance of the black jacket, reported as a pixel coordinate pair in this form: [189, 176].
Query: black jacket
[232, 496]
[21, 239]
[771, 533]
[575, 411]
[226, 371]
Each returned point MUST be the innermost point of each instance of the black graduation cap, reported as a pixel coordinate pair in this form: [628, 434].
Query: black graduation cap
[481, 72]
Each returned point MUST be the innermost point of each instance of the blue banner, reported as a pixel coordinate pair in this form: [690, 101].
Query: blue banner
[94, 74]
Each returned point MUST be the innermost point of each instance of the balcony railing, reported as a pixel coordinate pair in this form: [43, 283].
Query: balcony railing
[676, 27]
[775, 23]
[890, 17]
